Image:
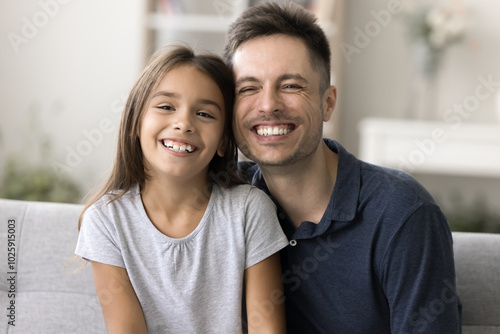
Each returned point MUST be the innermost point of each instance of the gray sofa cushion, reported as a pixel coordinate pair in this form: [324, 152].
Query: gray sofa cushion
[477, 264]
[50, 296]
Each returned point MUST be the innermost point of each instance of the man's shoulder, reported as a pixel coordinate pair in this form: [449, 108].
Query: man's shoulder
[393, 183]
[248, 169]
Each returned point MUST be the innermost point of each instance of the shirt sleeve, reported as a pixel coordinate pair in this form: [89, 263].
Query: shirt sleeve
[98, 239]
[418, 275]
[263, 233]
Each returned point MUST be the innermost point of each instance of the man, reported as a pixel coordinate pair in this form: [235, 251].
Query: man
[370, 251]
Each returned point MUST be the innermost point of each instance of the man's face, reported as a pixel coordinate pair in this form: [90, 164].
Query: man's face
[279, 108]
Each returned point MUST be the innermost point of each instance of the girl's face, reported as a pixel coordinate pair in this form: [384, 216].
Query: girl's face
[182, 128]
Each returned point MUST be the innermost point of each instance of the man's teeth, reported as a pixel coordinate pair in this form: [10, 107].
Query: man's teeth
[272, 131]
[178, 148]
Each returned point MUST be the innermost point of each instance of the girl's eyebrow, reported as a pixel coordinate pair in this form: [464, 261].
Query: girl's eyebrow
[210, 102]
[167, 94]
[176, 95]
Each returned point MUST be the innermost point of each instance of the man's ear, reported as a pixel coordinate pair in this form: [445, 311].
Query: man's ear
[221, 150]
[329, 101]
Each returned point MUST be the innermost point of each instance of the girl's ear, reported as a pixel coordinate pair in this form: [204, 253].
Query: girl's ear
[221, 150]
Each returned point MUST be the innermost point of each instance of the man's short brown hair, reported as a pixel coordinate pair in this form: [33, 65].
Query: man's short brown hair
[285, 18]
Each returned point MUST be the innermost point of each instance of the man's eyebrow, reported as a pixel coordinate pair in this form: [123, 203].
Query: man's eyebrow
[292, 76]
[282, 77]
[245, 79]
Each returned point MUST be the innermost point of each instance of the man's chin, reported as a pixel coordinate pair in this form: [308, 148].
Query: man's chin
[265, 156]
[265, 160]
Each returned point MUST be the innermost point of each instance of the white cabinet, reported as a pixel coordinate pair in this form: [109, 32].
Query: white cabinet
[189, 22]
[203, 24]
[462, 149]
[196, 15]
[199, 23]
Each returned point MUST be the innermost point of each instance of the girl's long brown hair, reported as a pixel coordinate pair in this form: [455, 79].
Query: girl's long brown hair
[128, 168]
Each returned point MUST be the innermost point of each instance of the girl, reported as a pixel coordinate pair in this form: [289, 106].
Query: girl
[174, 239]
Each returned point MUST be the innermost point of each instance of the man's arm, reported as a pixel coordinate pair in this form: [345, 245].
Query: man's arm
[418, 276]
[120, 306]
[264, 297]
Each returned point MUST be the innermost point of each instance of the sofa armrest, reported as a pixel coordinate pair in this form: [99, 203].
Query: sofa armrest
[477, 266]
[50, 296]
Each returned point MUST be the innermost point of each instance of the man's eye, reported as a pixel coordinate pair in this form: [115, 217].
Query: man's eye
[291, 86]
[204, 114]
[246, 90]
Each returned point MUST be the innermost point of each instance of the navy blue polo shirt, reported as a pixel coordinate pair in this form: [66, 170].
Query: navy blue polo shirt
[379, 261]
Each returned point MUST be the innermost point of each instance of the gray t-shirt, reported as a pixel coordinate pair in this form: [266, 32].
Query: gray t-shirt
[192, 284]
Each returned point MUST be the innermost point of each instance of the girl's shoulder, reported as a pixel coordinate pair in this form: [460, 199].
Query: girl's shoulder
[243, 193]
[115, 199]
[239, 190]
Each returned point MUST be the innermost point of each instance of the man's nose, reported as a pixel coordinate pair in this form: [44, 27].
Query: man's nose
[270, 101]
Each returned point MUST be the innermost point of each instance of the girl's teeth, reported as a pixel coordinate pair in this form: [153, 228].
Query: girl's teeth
[178, 148]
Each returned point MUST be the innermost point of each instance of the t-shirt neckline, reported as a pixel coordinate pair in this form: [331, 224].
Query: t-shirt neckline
[165, 238]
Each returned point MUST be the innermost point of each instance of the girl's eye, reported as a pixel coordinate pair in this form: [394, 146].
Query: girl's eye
[204, 114]
[165, 107]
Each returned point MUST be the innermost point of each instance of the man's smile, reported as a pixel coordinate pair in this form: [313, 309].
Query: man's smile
[276, 130]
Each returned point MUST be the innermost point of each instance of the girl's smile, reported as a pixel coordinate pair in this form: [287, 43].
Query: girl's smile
[178, 146]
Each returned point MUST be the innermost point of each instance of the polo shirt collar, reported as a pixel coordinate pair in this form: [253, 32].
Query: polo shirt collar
[343, 201]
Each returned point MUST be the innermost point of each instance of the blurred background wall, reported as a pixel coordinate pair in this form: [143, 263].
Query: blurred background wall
[377, 82]
[66, 67]
[377, 79]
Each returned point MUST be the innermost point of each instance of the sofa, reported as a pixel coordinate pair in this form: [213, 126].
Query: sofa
[52, 294]
[55, 295]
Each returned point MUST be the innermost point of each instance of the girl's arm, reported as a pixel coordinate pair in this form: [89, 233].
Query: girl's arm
[120, 306]
[264, 297]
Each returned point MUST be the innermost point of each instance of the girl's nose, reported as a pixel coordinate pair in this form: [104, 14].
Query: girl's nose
[183, 122]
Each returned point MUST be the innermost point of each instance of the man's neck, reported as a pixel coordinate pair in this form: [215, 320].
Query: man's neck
[304, 189]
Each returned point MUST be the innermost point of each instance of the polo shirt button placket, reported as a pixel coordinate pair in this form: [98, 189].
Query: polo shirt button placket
[293, 243]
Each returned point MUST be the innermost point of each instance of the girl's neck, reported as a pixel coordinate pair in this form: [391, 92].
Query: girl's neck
[175, 208]
[171, 194]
